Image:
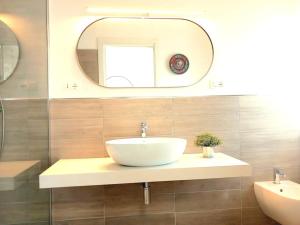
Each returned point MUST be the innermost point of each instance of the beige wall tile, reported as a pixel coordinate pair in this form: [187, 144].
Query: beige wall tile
[13, 213]
[78, 194]
[30, 192]
[254, 216]
[154, 219]
[196, 124]
[208, 200]
[76, 108]
[137, 107]
[77, 210]
[99, 221]
[77, 203]
[77, 138]
[25, 212]
[205, 105]
[130, 126]
[216, 217]
[136, 190]
[207, 185]
[252, 131]
[130, 205]
[80, 222]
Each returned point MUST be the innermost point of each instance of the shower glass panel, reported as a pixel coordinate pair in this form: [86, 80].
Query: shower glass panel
[24, 129]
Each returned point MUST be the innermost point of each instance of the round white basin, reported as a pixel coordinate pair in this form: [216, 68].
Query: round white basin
[152, 151]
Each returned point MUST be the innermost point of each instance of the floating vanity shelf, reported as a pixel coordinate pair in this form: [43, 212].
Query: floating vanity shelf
[15, 173]
[102, 171]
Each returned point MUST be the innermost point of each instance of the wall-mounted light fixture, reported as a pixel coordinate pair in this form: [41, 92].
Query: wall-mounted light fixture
[118, 12]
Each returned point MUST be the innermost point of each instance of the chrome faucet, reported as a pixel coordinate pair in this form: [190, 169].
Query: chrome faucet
[277, 175]
[144, 128]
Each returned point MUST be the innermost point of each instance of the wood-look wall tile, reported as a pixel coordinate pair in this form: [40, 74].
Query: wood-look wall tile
[262, 122]
[13, 213]
[162, 187]
[248, 198]
[136, 190]
[130, 126]
[120, 190]
[77, 138]
[38, 129]
[78, 194]
[26, 123]
[77, 203]
[268, 140]
[196, 124]
[215, 217]
[36, 223]
[76, 108]
[38, 211]
[258, 174]
[69, 149]
[129, 205]
[254, 216]
[247, 132]
[137, 107]
[88, 221]
[29, 192]
[207, 185]
[153, 219]
[77, 210]
[263, 113]
[38, 109]
[16, 109]
[270, 148]
[208, 200]
[281, 158]
[24, 212]
[76, 128]
[205, 105]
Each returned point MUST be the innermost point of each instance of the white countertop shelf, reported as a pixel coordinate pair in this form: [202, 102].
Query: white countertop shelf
[15, 173]
[103, 171]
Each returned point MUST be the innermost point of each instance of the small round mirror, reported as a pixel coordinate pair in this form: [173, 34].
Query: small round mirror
[9, 52]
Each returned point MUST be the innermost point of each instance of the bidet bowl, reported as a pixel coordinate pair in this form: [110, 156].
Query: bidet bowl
[150, 151]
[279, 201]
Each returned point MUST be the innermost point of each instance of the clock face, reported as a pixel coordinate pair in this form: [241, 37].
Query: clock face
[179, 64]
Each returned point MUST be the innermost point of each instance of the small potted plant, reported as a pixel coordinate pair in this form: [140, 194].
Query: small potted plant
[207, 142]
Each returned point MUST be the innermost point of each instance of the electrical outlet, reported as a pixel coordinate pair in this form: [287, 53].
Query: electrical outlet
[216, 84]
[73, 86]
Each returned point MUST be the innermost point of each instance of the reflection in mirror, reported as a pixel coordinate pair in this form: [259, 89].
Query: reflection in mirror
[134, 52]
[9, 52]
[119, 71]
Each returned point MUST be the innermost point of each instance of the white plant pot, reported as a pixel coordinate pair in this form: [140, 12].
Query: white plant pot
[208, 152]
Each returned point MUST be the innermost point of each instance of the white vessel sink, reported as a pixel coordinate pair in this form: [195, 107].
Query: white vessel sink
[279, 201]
[152, 151]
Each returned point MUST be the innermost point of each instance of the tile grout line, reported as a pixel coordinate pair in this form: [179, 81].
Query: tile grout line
[240, 146]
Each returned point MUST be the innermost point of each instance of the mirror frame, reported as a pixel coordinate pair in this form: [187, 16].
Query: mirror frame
[19, 53]
[150, 18]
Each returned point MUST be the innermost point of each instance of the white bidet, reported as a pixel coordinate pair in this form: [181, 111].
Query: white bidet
[281, 201]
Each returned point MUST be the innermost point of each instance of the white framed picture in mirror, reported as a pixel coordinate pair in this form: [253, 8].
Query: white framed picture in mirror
[135, 52]
[126, 62]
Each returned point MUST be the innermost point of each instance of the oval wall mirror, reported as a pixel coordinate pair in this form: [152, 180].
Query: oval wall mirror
[9, 52]
[138, 52]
